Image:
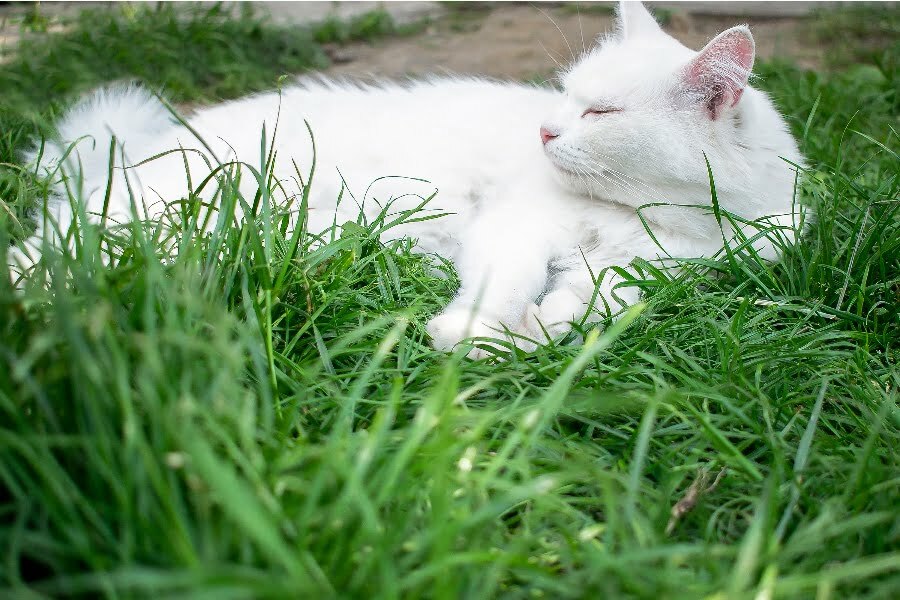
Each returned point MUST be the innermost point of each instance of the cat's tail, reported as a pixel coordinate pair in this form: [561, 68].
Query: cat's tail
[126, 111]
[77, 159]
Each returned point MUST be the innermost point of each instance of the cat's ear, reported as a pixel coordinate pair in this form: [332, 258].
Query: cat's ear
[719, 73]
[635, 20]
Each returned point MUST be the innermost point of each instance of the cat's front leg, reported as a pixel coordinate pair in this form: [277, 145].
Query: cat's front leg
[495, 309]
[571, 301]
[503, 268]
[454, 325]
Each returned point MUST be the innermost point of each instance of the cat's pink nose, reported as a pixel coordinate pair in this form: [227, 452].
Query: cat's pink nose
[547, 135]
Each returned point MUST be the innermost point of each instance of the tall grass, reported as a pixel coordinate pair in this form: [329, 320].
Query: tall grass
[260, 415]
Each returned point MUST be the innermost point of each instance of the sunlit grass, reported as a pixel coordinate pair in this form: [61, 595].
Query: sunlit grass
[262, 416]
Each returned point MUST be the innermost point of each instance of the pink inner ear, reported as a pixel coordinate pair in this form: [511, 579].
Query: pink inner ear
[721, 70]
[740, 48]
[726, 60]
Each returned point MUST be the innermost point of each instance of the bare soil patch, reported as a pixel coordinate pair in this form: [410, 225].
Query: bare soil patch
[505, 40]
[530, 41]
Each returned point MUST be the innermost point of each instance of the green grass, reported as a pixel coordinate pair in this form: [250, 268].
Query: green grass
[588, 8]
[858, 33]
[262, 417]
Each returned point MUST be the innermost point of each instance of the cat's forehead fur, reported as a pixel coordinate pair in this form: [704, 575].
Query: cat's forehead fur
[618, 68]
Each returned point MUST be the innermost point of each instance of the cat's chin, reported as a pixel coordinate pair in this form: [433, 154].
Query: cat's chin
[573, 173]
[578, 181]
[565, 171]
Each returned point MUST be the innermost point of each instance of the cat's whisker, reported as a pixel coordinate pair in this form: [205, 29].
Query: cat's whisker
[622, 185]
[581, 30]
[572, 52]
[636, 185]
[623, 173]
[626, 176]
[608, 158]
[553, 80]
[593, 178]
[558, 64]
[619, 182]
[630, 188]
[655, 193]
[584, 181]
[648, 193]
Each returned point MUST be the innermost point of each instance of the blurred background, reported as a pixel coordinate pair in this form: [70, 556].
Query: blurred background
[523, 40]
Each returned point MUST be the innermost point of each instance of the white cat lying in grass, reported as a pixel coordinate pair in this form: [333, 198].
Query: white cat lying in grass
[543, 187]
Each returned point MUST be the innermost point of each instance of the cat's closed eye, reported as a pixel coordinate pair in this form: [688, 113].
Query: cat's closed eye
[600, 111]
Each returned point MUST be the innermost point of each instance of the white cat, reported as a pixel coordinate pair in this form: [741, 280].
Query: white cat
[543, 187]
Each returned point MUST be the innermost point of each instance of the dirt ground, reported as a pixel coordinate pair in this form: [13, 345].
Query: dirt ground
[527, 41]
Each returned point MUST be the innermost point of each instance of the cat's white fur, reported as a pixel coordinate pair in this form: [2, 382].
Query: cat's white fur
[527, 221]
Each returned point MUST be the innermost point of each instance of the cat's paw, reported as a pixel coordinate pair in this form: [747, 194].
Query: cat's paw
[617, 299]
[453, 326]
[561, 307]
[554, 315]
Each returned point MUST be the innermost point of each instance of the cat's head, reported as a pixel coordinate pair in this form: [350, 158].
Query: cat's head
[640, 109]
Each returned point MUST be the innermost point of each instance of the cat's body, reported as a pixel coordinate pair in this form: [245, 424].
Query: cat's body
[525, 220]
